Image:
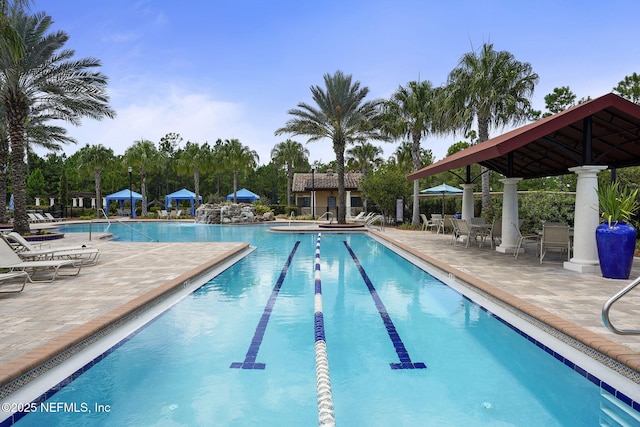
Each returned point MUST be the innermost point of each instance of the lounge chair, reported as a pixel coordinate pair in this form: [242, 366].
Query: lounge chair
[52, 218]
[11, 261]
[555, 237]
[357, 217]
[163, 214]
[26, 251]
[41, 218]
[32, 218]
[13, 275]
[365, 218]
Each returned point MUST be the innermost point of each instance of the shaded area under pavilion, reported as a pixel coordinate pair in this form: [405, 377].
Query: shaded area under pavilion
[585, 139]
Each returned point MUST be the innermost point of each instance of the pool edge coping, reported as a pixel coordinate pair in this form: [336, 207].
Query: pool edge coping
[14, 370]
[598, 343]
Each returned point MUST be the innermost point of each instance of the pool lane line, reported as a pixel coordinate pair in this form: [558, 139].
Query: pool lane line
[401, 351]
[254, 347]
[323, 380]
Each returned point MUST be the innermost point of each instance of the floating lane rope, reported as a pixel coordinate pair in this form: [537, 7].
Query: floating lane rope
[323, 381]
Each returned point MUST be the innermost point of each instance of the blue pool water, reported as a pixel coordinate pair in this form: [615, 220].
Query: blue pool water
[404, 349]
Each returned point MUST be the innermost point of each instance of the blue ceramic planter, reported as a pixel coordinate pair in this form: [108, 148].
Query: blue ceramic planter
[616, 245]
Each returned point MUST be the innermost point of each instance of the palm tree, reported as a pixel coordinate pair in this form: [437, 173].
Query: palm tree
[94, 159]
[42, 77]
[195, 159]
[363, 157]
[414, 112]
[144, 156]
[289, 154]
[238, 158]
[493, 88]
[342, 116]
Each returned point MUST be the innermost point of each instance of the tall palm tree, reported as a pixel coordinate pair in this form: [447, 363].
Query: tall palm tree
[94, 159]
[414, 112]
[195, 159]
[290, 154]
[238, 158]
[342, 116]
[363, 157]
[42, 77]
[493, 88]
[144, 157]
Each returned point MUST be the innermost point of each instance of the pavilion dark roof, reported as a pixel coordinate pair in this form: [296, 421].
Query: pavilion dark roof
[550, 146]
[303, 182]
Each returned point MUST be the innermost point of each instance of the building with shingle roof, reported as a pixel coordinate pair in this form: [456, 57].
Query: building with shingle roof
[325, 187]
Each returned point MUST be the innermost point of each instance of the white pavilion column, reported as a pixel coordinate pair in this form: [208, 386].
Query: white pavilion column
[52, 201]
[509, 215]
[348, 203]
[467, 201]
[37, 201]
[93, 203]
[586, 220]
[75, 202]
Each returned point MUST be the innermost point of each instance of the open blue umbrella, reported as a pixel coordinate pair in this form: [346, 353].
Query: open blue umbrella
[443, 189]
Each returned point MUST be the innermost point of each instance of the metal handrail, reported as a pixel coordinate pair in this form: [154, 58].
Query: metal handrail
[292, 215]
[137, 231]
[609, 303]
[98, 217]
[373, 219]
[329, 215]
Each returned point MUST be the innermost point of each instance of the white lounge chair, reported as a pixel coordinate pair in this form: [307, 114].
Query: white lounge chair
[52, 218]
[26, 251]
[13, 275]
[11, 261]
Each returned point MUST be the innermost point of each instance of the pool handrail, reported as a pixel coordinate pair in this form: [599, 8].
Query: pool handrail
[373, 219]
[609, 303]
[98, 217]
[137, 231]
[328, 214]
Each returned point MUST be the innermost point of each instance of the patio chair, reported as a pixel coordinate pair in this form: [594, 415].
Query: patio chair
[461, 228]
[527, 238]
[26, 251]
[437, 222]
[425, 222]
[496, 232]
[163, 214]
[447, 225]
[4, 277]
[555, 237]
[11, 261]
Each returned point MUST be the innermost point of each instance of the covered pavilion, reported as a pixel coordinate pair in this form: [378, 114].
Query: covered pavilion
[585, 139]
[180, 195]
[124, 196]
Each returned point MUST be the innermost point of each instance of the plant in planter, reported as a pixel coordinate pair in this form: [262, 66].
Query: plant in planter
[616, 237]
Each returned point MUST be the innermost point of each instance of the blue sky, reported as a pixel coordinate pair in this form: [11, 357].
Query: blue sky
[210, 69]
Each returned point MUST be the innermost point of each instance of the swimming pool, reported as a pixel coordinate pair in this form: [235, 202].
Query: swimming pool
[468, 367]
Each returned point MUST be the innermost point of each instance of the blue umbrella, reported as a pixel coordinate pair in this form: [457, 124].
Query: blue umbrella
[443, 189]
[11, 203]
